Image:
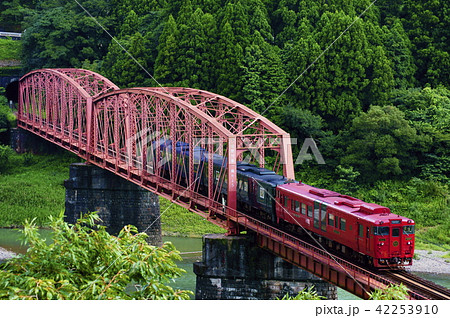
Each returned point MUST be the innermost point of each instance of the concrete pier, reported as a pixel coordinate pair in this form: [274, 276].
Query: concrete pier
[233, 267]
[23, 141]
[118, 201]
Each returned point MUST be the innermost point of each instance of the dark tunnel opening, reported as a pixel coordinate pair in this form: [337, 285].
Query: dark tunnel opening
[12, 91]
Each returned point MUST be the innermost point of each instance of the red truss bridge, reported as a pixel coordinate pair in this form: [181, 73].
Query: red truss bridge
[131, 132]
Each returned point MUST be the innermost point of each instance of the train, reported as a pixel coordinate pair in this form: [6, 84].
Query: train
[366, 232]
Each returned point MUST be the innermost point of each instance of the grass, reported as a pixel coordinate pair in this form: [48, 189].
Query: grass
[10, 49]
[33, 188]
[177, 221]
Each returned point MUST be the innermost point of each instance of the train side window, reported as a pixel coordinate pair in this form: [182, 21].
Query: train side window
[261, 192]
[336, 222]
[310, 211]
[217, 175]
[296, 206]
[343, 223]
[330, 219]
[323, 216]
[286, 201]
[360, 230]
[316, 214]
[303, 208]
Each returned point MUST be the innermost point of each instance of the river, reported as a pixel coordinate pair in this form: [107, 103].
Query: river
[190, 249]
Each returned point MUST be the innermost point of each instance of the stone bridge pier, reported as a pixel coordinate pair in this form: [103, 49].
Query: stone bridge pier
[118, 201]
[234, 267]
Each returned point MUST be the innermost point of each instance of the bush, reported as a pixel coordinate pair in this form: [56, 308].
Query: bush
[393, 292]
[5, 154]
[85, 262]
[305, 294]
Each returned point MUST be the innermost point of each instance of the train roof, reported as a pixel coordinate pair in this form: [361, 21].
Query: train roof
[260, 174]
[370, 212]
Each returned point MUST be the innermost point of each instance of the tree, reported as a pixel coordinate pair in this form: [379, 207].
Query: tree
[427, 23]
[166, 61]
[195, 56]
[85, 262]
[263, 75]
[229, 64]
[347, 78]
[398, 50]
[382, 144]
[428, 111]
[124, 70]
[60, 34]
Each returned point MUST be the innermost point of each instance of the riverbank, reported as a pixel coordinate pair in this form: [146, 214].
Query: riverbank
[430, 262]
[5, 254]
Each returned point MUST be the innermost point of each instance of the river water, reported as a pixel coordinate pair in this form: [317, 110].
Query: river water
[191, 251]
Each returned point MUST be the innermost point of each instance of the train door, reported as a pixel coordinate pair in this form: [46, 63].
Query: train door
[360, 237]
[367, 238]
[395, 240]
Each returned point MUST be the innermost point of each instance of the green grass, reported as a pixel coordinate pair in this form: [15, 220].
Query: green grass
[9, 49]
[177, 221]
[33, 189]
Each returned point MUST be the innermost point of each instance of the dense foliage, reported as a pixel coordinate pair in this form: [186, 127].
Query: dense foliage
[84, 262]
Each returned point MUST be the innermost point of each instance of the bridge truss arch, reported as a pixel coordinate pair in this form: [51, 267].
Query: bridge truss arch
[176, 136]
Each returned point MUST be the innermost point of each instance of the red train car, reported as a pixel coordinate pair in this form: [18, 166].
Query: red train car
[366, 231]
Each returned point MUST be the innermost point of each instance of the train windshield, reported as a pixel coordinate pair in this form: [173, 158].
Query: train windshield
[408, 229]
[380, 230]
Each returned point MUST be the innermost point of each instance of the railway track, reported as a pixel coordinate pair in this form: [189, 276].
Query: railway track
[418, 285]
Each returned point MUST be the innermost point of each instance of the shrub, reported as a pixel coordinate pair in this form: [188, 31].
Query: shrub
[5, 154]
[85, 262]
[393, 292]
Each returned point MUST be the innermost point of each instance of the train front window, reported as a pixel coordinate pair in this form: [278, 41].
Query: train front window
[396, 232]
[380, 230]
[408, 229]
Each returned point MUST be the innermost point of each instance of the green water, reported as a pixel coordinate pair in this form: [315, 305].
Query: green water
[190, 249]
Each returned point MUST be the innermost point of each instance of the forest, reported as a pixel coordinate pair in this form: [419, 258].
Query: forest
[372, 90]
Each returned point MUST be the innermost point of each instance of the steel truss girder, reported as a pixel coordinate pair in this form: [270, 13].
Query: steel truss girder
[253, 132]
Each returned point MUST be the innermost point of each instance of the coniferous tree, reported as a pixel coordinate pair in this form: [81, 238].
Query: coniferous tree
[166, 61]
[229, 64]
[398, 50]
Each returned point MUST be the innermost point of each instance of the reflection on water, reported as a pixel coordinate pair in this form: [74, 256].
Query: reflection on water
[190, 249]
